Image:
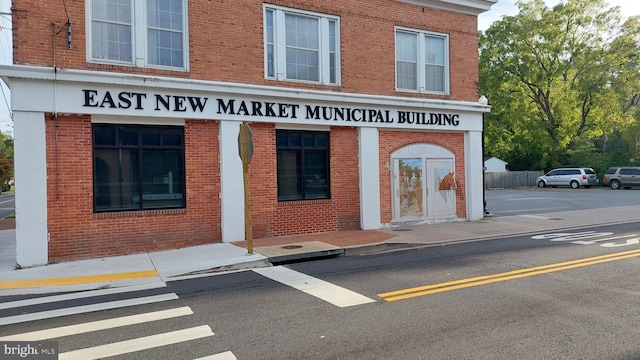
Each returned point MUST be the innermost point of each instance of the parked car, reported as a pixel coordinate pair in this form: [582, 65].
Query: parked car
[574, 177]
[622, 176]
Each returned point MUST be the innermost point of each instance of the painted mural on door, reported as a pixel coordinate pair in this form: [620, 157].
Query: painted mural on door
[441, 201]
[424, 183]
[410, 187]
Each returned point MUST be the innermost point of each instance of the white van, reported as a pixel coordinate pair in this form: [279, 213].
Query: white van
[574, 177]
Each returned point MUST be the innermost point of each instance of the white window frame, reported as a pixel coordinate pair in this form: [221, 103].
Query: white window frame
[280, 48]
[139, 41]
[421, 60]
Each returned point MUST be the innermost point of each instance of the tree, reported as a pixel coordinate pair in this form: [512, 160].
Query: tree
[557, 79]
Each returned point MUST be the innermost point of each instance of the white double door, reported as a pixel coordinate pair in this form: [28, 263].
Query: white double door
[423, 189]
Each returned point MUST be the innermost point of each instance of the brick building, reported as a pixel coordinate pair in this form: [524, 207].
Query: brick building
[364, 114]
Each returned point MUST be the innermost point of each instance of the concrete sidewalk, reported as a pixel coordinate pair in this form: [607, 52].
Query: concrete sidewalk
[204, 260]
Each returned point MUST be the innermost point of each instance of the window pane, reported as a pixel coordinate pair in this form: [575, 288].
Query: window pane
[295, 139]
[332, 52]
[406, 47]
[172, 137]
[165, 33]
[289, 175]
[116, 179]
[407, 75]
[322, 140]
[270, 44]
[129, 176]
[128, 136]
[112, 42]
[303, 165]
[303, 55]
[111, 30]
[104, 135]
[315, 175]
[162, 184]
[307, 139]
[434, 50]
[151, 136]
[407, 60]
[111, 10]
[434, 78]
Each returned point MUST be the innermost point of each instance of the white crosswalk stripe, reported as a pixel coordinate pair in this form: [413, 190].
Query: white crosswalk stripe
[98, 325]
[79, 295]
[86, 309]
[321, 289]
[115, 348]
[138, 344]
[227, 355]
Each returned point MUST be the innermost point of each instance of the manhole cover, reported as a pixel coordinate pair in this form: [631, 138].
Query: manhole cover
[292, 247]
[402, 229]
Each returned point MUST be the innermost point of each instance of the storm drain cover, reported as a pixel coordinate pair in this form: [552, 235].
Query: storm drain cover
[292, 246]
[402, 229]
[556, 219]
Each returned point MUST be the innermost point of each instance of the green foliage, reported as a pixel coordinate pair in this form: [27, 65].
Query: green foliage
[559, 80]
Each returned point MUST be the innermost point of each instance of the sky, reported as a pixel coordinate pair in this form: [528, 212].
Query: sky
[508, 7]
[503, 7]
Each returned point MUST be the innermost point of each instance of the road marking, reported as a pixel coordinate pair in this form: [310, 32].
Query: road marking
[86, 308]
[13, 284]
[99, 325]
[79, 295]
[227, 355]
[321, 289]
[509, 275]
[138, 344]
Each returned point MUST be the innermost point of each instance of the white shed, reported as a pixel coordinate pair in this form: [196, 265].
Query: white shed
[494, 164]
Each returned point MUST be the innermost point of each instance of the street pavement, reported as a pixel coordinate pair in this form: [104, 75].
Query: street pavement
[170, 265]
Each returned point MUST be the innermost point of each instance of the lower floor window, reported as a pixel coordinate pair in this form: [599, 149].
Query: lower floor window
[138, 167]
[303, 165]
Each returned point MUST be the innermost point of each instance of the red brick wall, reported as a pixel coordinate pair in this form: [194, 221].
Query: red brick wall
[226, 42]
[393, 140]
[77, 233]
[273, 218]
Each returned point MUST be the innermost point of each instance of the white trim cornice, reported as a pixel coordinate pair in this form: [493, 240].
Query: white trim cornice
[470, 7]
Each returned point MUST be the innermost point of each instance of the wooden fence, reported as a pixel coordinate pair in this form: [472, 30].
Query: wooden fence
[510, 179]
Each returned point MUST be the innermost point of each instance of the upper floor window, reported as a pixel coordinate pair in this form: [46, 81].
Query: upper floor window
[422, 61]
[301, 45]
[151, 33]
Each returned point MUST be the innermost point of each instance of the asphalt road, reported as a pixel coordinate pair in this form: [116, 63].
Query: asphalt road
[7, 205]
[502, 202]
[551, 296]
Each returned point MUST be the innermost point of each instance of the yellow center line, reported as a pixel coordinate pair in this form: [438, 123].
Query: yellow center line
[509, 275]
[14, 284]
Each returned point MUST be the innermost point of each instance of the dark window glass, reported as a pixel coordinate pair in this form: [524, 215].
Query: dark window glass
[129, 176]
[173, 137]
[303, 165]
[151, 137]
[104, 135]
[128, 136]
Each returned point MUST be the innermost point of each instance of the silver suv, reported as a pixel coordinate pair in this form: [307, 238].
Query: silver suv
[622, 176]
[574, 177]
